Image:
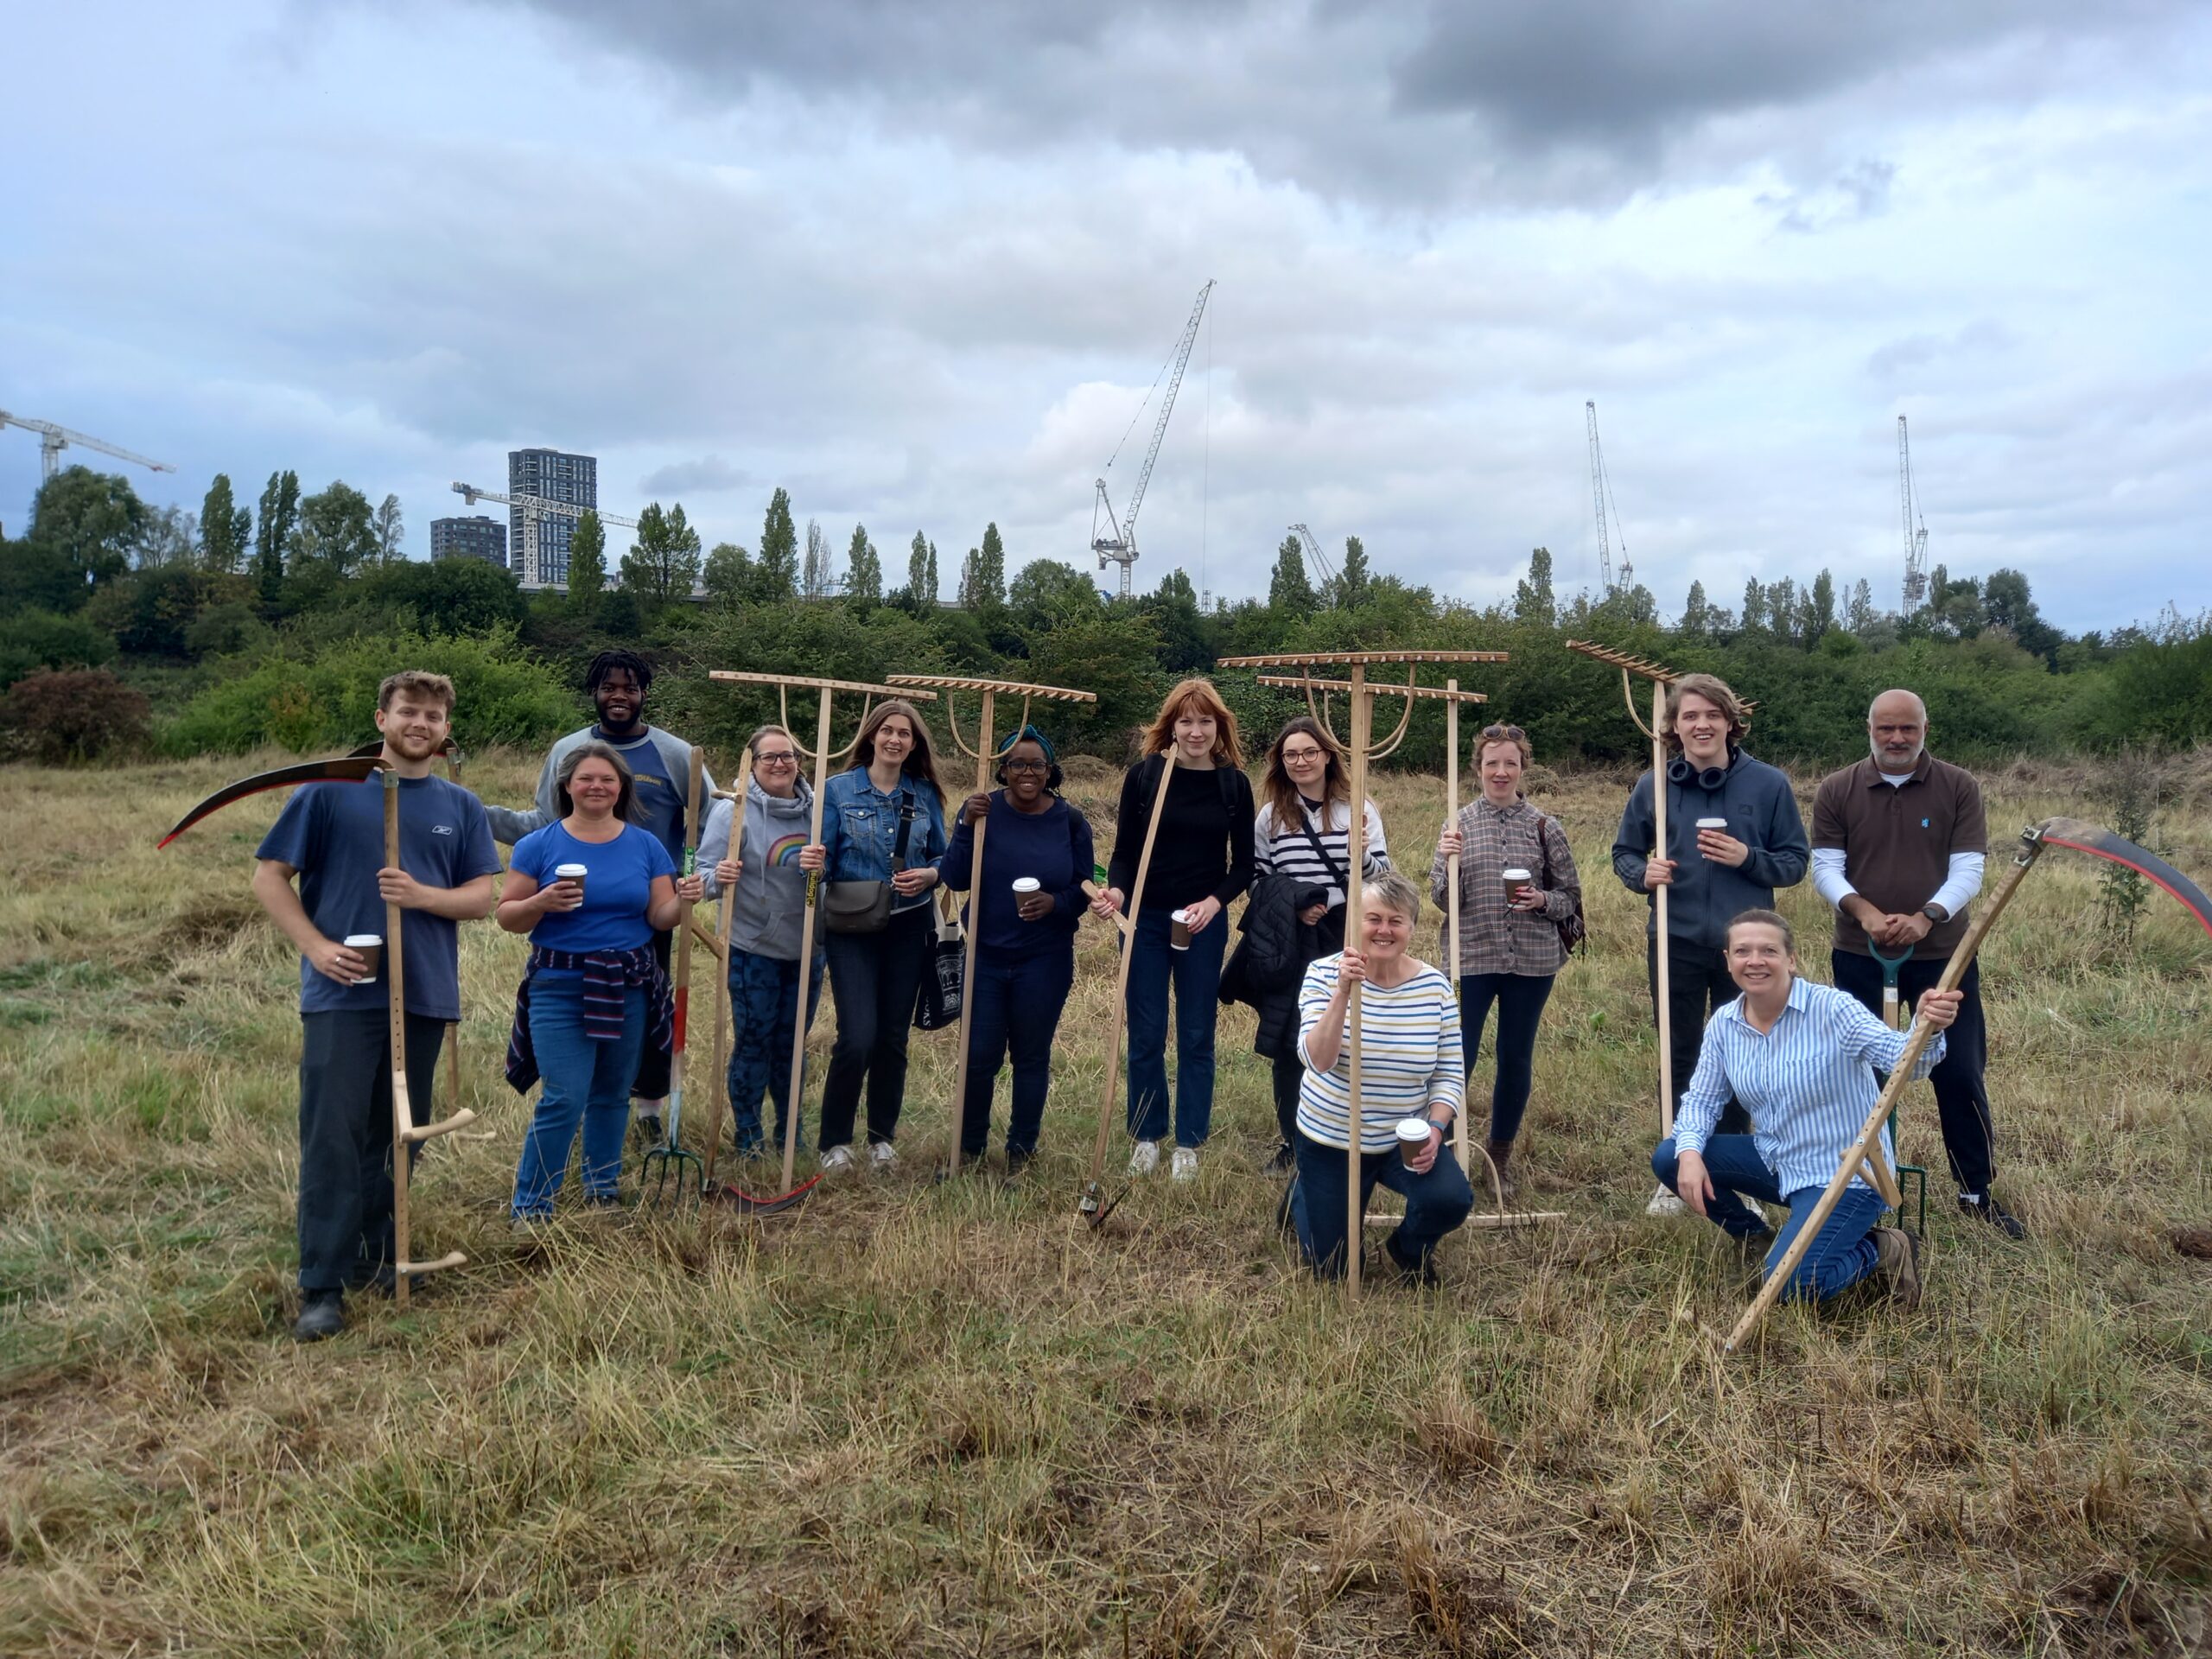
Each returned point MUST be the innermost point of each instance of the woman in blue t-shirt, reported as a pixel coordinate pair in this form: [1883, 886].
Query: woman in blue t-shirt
[592, 992]
[1025, 939]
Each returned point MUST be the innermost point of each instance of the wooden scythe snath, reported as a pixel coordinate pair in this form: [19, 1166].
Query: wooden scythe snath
[1360, 696]
[718, 1085]
[821, 755]
[983, 754]
[1864, 1154]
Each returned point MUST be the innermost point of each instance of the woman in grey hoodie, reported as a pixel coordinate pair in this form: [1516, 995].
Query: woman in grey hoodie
[768, 908]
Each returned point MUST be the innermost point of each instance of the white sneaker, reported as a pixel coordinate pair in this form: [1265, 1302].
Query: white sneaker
[836, 1160]
[1145, 1159]
[1184, 1165]
[1664, 1203]
[882, 1156]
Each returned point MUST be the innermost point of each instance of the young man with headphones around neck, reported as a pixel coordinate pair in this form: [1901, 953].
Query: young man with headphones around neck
[1711, 874]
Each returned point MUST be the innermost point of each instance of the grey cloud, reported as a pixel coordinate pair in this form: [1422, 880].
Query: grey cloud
[707, 475]
[1983, 337]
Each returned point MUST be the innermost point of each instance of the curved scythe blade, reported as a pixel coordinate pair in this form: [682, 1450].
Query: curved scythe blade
[2100, 842]
[351, 769]
[746, 1204]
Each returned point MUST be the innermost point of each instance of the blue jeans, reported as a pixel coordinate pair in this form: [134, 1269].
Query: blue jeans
[1013, 1003]
[764, 1015]
[1154, 963]
[585, 1082]
[1435, 1202]
[1519, 999]
[1842, 1254]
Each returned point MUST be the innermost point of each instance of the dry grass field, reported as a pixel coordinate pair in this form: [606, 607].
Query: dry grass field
[921, 1419]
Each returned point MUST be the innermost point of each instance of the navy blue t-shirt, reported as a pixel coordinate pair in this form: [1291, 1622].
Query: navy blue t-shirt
[616, 892]
[333, 834]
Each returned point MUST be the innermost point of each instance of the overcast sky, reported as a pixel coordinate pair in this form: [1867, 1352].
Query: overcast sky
[920, 263]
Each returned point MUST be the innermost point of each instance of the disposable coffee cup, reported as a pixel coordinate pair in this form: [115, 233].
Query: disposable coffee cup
[1026, 885]
[1720, 825]
[369, 947]
[1412, 1136]
[1515, 880]
[575, 873]
[1179, 933]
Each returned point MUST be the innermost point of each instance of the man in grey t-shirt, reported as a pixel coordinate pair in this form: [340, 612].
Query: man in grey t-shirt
[660, 765]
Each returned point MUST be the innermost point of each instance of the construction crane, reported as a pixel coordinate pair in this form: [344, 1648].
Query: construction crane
[1323, 575]
[1601, 493]
[1916, 528]
[53, 440]
[1120, 543]
[535, 509]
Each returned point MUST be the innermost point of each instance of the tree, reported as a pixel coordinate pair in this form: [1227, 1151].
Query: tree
[780, 547]
[224, 527]
[336, 530]
[1174, 610]
[452, 597]
[2005, 597]
[587, 564]
[1858, 609]
[664, 565]
[863, 571]
[280, 505]
[815, 577]
[919, 574]
[90, 522]
[1754, 606]
[729, 576]
[1782, 608]
[1047, 593]
[171, 537]
[1289, 592]
[1353, 587]
[929, 589]
[1697, 613]
[1533, 603]
[990, 568]
[1820, 608]
[390, 527]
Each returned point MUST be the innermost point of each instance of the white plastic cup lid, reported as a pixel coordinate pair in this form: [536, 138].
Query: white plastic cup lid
[1414, 1130]
[1516, 876]
[1027, 884]
[1183, 915]
[572, 872]
[354, 941]
[1713, 823]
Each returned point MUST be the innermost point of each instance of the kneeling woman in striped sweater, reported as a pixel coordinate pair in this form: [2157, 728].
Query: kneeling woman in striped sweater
[1409, 1066]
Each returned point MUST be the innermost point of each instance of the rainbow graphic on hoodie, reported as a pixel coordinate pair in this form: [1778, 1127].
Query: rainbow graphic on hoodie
[784, 850]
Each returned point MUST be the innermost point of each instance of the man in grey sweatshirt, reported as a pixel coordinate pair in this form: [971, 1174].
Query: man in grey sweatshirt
[660, 765]
[1710, 873]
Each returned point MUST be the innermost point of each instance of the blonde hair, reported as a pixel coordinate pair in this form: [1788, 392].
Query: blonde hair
[1195, 695]
[1714, 690]
[1395, 892]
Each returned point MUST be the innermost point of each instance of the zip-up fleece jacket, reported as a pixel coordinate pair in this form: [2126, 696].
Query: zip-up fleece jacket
[768, 912]
[1762, 813]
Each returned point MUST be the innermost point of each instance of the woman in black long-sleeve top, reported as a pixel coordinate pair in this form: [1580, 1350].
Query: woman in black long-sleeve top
[1201, 860]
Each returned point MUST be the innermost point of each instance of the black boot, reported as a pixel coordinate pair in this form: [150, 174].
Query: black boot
[322, 1313]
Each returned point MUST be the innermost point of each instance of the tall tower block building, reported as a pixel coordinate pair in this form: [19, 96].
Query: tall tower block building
[557, 476]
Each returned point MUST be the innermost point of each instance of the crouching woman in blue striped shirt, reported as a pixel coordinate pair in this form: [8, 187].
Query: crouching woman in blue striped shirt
[1802, 1057]
[1409, 1066]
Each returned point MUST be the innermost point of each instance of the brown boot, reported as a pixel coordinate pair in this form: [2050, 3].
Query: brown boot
[1896, 1258]
[1501, 1154]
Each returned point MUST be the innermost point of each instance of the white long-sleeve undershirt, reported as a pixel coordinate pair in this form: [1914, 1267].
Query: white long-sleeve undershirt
[1962, 880]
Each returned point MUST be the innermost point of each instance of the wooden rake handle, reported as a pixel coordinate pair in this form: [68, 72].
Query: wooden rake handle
[1091, 890]
[450, 1259]
[416, 1135]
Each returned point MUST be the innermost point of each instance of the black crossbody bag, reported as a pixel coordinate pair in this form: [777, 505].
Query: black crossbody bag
[865, 906]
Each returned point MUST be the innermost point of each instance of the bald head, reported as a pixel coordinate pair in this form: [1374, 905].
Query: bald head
[1896, 730]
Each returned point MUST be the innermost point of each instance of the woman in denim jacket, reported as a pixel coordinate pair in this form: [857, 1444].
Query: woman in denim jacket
[875, 977]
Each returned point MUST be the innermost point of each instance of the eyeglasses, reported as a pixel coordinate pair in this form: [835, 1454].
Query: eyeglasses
[1028, 765]
[1504, 733]
[786, 759]
[1289, 755]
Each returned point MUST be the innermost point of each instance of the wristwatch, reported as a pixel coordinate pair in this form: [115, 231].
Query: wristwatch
[1935, 912]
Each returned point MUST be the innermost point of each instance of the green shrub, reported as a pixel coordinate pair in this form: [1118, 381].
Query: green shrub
[33, 640]
[327, 700]
[57, 716]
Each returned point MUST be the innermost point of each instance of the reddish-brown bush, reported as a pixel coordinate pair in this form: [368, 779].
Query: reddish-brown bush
[75, 713]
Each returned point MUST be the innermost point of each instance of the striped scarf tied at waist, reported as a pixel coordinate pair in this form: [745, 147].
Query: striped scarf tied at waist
[608, 976]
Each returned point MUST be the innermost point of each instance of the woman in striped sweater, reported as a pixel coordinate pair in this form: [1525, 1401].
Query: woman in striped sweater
[1409, 1067]
[1302, 835]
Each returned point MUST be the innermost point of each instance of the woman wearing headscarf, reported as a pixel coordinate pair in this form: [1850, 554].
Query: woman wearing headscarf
[1027, 902]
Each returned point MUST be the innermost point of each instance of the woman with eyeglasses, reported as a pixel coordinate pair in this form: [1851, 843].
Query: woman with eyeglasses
[1201, 860]
[1301, 844]
[1509, 942]
[767, 896]
[882, 833]
[1028, 902]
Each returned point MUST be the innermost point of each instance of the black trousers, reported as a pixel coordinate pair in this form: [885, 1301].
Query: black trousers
[1961, 1099]
[655, 1064]
[1290, 1072]
[345, 1137]
[873, 980]
[1697, 984]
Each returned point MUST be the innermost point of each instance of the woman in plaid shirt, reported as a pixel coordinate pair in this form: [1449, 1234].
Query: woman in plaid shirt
[1508, 951]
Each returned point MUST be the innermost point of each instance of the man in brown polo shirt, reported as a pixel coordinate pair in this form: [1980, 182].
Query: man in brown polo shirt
[1898, 842]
